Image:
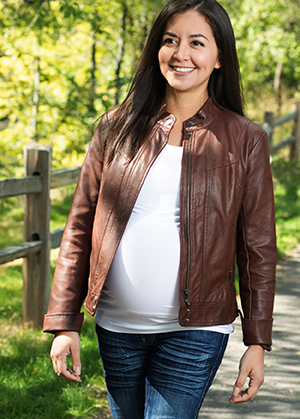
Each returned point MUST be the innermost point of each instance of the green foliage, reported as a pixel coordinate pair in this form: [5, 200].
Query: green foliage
[11, 221]
[268, 34]
[286, 176]
[12, 215]
[60, 206]
[64, 63]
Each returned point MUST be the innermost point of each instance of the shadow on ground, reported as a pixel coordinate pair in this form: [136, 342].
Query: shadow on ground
[279, 398]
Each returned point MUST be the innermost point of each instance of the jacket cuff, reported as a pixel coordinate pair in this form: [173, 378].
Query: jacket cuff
[257, 332]
[58, 322]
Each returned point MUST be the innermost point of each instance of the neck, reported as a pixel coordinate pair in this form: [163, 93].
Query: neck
[182, 105]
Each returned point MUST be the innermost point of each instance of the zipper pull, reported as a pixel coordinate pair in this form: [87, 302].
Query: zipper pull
[187, 296]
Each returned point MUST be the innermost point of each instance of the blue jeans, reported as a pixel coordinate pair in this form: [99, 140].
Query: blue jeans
[159, 376]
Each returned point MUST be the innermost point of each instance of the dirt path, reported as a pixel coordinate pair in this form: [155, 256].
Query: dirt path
[279, 398]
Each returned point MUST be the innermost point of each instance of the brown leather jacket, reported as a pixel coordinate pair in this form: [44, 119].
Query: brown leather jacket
[226, 211]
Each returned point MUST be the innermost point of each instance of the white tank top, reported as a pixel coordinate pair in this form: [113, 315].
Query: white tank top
[141, 292]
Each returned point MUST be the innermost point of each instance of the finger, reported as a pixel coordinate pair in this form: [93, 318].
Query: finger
[65, 372]
[242, 396]
[76, 360]
[238, 393]
[54, 364]
[241, 380]
[62, 370]
[60, 364]
[68, 374]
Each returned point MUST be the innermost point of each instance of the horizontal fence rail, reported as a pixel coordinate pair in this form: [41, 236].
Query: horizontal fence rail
[292, 141]
[29, 248]
[20, 251]
[64, 177]
[20, 186]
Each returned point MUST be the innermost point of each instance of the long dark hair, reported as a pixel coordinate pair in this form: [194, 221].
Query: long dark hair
[138, 113]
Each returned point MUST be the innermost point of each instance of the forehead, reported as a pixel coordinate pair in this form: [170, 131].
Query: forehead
[189, 21]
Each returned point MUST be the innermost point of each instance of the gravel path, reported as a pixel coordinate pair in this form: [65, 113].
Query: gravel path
[279, 398]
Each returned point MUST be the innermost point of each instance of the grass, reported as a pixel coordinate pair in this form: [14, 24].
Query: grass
[12, 215]
[286, 175]
[29, 388]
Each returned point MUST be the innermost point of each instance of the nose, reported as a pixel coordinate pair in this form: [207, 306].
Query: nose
[181, 53]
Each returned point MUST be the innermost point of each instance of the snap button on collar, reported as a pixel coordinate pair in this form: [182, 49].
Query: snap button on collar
[169, 121]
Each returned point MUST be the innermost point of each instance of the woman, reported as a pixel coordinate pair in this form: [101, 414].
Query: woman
[175, 185]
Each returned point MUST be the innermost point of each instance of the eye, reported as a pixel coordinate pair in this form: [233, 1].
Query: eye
[169, 41]
[198, 43]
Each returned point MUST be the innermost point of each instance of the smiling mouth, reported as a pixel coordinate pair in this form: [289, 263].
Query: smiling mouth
[182, 69]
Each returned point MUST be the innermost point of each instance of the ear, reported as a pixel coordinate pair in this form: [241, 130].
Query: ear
[218, 64]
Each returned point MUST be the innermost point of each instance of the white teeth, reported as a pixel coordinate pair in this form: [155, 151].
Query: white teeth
[184, 69]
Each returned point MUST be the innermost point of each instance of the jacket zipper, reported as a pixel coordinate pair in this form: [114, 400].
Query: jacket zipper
[187, 291]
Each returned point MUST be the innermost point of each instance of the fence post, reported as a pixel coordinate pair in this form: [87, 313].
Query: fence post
[269, 121]
[295, 147]
[36, 267]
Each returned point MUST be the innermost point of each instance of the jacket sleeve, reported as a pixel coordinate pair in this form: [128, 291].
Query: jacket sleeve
[256, 247]
[72, 269]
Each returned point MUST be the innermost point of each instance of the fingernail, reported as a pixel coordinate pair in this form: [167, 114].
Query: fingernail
[78, 370]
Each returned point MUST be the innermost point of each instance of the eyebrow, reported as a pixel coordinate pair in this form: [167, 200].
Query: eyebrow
[196, 35]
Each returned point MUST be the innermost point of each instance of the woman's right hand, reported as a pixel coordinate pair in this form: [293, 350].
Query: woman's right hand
[64, 344]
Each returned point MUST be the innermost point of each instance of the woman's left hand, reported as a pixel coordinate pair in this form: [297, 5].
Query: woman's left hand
[252, 366]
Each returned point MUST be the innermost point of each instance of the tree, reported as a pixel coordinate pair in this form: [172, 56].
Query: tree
[64, 63]
[268, 41]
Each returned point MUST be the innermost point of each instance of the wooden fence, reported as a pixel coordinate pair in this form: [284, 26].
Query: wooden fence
[38, 240]
[293, 141]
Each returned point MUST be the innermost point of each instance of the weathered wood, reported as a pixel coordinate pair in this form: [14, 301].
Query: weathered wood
[56, 237]
[64, 177]
[283, 119]
[268, 126]
[33, 184]
[36, 267]
[268, 129]
[20, 251]
[284, 143]
[20, 186]
[295, 148]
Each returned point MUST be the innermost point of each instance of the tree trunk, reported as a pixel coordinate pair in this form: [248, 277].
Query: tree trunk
[277, 87]
[92, 94]
[120, 53]
[36, 99]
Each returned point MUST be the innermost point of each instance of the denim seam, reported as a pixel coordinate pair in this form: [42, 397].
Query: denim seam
[213, 370]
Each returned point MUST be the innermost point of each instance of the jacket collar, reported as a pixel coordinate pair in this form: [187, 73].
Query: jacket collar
[203, 117]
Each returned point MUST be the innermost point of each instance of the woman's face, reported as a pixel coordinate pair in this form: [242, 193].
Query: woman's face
[188, 53]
